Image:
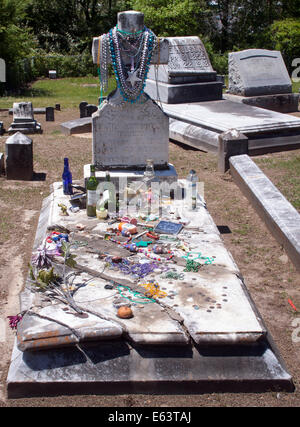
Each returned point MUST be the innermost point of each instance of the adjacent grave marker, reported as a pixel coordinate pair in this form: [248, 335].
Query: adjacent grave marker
[188, 76]
[254, 72]
[23, 119]
[52, 74]
[19, 157]
[49, 114]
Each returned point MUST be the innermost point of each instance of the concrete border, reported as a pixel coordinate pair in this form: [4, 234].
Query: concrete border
[280, 217]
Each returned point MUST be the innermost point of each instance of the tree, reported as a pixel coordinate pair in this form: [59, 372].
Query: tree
[63, 25]
[173, 17]
[285, 36]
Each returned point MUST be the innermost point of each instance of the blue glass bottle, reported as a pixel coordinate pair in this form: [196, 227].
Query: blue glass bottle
[67, 178]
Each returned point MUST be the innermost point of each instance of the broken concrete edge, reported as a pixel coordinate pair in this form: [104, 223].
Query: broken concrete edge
[279, 228]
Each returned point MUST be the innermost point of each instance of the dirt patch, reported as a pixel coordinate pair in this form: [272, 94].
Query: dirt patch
[269, 275]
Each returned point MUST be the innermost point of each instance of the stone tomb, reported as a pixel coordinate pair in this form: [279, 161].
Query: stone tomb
[188, 76]
[261, 79]
[23, 119]
[204, 332]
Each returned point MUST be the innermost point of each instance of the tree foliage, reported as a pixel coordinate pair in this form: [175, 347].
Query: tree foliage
[285, 36]
[16, 41]
[173, 17]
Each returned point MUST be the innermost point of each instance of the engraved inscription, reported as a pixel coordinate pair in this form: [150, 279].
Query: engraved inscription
[188, 56]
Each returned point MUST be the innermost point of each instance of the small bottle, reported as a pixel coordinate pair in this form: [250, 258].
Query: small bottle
[67, 178]
[149, 173]
[192, 185]
[91, 187]
[101, 213]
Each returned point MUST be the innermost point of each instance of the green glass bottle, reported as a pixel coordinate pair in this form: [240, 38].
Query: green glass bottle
[91, 199]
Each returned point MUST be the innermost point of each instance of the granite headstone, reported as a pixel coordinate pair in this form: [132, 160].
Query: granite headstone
[49, 114]
[254, 72]
[19, 157]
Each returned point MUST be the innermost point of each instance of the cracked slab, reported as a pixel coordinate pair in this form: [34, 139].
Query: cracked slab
[209, 307]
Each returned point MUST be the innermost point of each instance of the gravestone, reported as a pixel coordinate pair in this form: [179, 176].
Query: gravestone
[261, 79]
[19, 157]
[52, 74]
[2, 166]
[90, 110]
[82, 109]
[23, 119]
[129, 127]
[188, 76]
[49, 114]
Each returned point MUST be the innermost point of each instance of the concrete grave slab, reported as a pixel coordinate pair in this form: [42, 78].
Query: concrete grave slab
[199, 124]
[195, 336]
[217, 288]
[117, 367]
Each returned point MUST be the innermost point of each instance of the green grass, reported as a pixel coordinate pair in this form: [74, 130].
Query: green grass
[288, 180]
[68, 92]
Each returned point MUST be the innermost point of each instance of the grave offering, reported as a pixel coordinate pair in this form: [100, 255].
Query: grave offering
[188, 76]
[23, 119]
[19, 157]
[129, 127]
[259, 77]
[100, 307]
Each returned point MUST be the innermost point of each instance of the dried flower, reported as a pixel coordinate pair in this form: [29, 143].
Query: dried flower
[14, 320]
[42, 257]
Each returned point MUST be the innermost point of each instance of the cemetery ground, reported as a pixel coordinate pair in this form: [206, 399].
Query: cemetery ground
[269, 275]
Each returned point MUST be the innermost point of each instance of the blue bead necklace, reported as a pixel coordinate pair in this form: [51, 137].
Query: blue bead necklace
[132, 91]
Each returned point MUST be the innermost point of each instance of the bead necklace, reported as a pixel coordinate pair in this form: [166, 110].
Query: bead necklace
[147, 252]
[131, 92]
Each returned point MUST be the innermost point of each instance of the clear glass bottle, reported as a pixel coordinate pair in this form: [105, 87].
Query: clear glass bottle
[91, 187]
[67, 178]
[149, 173]
[192, 188]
